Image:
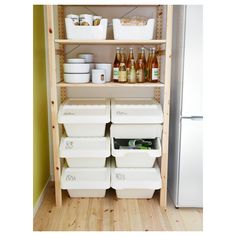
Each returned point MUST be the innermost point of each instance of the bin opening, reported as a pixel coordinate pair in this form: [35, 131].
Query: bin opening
[135, 144]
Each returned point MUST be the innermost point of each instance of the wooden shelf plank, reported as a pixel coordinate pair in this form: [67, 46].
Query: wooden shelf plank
[111, 85]
[109, 42]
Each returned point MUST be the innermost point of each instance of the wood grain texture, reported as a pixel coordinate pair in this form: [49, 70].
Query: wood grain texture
[112, 214]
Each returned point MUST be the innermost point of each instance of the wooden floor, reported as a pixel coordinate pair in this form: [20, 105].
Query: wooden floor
[112, 214]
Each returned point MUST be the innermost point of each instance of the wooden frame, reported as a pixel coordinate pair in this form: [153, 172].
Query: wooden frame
[54, 85]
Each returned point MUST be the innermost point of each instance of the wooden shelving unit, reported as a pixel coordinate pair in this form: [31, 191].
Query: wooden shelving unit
[54, 85]
[111, 85]
[109, 42]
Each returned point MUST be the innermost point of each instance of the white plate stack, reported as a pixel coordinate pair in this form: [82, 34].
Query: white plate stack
[78, 70]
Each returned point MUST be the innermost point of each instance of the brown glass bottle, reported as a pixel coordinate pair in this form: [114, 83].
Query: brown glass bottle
[154, 72]
[116, 66]
[122, 69]
[140, 77]
[148, 65]
[131, 73]
[128, 64]
[142, 56]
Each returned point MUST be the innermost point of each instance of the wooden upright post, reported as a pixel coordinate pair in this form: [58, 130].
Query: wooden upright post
[166, 108]
[54, 103]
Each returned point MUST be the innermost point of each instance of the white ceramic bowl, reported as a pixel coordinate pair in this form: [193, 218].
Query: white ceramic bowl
[76, 68]
[76, 78]
[75, 60]
[87, 56]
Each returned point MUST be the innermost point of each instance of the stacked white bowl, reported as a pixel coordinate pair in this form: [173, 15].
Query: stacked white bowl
[78, 70]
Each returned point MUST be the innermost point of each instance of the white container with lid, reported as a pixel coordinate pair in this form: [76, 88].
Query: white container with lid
[125, 157]
[86, 182]
[85, 152]
[136, 111]
[135, 182]
[85, 117]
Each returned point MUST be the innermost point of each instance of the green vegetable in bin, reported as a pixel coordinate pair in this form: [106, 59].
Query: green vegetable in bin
[139, 144]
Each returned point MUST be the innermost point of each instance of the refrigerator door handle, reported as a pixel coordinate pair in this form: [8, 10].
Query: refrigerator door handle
[192, 117]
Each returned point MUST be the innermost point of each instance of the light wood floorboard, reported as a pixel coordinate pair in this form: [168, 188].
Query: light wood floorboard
[112, 214]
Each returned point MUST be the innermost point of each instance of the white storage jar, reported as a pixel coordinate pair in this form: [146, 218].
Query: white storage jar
[86, 182]
[136, 111]
[85, 152]
[85, 117]
[135, 157]
[135, 182]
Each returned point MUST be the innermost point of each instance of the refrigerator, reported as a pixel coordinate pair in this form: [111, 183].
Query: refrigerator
[185, 175]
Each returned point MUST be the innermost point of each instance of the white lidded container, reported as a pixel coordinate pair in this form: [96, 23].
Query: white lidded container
[135, 182]
[98, 32]
[85, 117]
[85, 152]
[121, 133]
[127, 32]
[86, 182]
[136, 111]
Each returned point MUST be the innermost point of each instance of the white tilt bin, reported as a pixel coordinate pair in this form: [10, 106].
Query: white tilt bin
[85, 117]
[128, 157]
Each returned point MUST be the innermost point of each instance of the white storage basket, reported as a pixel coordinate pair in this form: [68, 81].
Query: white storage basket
[86, 182]
[135, 182]
[136, 111]
[98, 32]
[85, 152]
[122, 32]
[85, 117]
[134, 157]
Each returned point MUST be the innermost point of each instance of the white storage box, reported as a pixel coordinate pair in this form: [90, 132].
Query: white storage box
[98, 32]
[85, 152]
[122, 32]
[135, 157]
[136, 111]
[86, 182]
[135, 182]
[85, 117]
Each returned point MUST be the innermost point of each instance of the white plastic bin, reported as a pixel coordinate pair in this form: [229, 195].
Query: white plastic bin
[136, 111]
[98, 32]
[85, 152]
[136, 158]
[86, 182]
[135, 182]
[85, 117]
[122, 32]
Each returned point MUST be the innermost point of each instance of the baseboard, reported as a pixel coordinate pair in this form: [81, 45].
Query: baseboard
[41, 197]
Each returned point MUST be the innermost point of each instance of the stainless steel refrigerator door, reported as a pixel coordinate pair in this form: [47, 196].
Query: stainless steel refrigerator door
[191, 163]
[192, 72]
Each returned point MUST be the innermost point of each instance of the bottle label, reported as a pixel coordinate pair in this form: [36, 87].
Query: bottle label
[131, 75]
[122, 76]
[155, 73]
[116, 74]
[140, 75]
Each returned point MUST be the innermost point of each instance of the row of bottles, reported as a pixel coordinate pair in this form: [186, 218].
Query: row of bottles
[135, 72]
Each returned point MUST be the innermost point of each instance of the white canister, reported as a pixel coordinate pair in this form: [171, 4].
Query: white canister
[86, 20]
[98, 76]
[74, 18]
[107, 68]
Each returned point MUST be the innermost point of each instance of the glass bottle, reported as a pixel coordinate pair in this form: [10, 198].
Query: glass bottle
[154, 73]
[140, 71]
[132, 72]
[122, 70]
[142, 55]
[148, 65]
[128, 65]
[116, 65]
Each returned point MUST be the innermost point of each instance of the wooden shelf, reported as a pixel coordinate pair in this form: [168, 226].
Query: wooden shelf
[109, 42]
[111, 85]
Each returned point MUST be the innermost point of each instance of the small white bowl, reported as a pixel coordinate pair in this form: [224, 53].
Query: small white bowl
[87, 56]
[76, 68]
[76, 78]
[76, 60]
